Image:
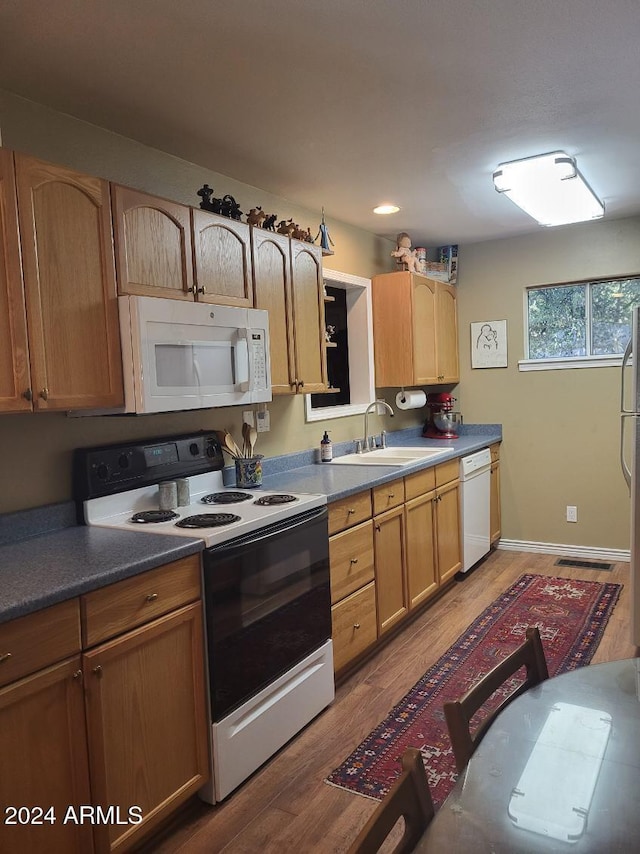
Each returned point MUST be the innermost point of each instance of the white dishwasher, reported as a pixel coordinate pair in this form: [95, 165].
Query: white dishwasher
[475, 486]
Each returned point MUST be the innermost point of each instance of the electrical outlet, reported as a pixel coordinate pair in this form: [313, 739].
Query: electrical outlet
[247, 417]
[263, 422]
[572, 513]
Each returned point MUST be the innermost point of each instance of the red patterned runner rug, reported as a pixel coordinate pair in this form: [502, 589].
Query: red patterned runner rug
[571, 616]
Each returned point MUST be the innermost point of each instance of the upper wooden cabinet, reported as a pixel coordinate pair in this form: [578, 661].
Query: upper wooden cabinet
[288, 284]
[153, 245]
[14, 350]
[70, 290]
[415, 330]
[222, 259]
[308, 317]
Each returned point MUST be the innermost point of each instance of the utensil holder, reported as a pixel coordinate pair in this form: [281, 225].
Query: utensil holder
[249, 472]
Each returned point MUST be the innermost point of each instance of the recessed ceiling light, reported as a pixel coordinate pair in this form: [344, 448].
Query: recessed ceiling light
[386, 209]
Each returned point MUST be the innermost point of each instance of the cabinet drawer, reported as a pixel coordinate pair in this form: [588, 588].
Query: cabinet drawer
[351, 559]
[387, 496]
[122, 606]
[495, 452]
[38, 640]
[447, 471]
[354, 625]
[419, 483]
[349, 511]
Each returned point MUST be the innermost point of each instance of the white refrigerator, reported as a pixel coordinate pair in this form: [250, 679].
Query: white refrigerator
[630, 458]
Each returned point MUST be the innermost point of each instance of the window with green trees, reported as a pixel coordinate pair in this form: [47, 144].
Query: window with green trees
[585, 319]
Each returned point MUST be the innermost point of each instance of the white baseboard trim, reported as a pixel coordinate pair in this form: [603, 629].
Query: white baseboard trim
[592, 552]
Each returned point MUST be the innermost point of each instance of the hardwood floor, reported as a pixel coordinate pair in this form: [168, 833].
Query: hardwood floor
[286, 806]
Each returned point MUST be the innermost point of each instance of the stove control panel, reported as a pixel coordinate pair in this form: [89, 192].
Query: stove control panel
[109, 469]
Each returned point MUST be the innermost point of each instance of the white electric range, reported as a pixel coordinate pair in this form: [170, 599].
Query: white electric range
[265, 581]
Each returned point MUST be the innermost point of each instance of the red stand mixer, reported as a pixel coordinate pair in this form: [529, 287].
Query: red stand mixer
[442, 419]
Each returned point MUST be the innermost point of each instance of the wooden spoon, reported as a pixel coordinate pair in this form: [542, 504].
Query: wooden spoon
[253, 436]
[228, 444]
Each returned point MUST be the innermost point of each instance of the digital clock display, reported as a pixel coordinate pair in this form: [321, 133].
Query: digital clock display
[160, 455]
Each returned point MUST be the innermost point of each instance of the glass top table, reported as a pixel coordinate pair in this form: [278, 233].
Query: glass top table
[558, 771]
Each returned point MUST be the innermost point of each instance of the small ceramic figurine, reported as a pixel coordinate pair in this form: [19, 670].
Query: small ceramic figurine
[256, 216]
[270, 222]
[323, 234]
[406, 257]
[329, 332]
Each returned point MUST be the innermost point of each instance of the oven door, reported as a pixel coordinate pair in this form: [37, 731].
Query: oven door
[268, 605]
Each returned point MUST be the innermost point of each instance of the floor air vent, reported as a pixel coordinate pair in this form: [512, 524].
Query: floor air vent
[585, 564]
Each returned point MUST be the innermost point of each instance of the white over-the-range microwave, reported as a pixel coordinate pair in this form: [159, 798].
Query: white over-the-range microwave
[186, 355]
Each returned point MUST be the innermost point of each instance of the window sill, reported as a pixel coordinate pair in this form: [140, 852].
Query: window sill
[568, 363]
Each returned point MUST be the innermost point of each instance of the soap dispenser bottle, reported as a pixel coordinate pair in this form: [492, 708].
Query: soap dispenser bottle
[326, 449]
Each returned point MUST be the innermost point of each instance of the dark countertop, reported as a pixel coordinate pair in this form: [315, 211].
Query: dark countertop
[339, 481]
[52, 567]
[46, 558]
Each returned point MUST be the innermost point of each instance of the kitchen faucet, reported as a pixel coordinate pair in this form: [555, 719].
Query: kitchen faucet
[369, 408]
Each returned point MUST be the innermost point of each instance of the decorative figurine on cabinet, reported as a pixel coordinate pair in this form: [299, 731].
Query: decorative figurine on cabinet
[256, 216]
[329, 332]
[406, 257]
[270, 222]
[323, 234]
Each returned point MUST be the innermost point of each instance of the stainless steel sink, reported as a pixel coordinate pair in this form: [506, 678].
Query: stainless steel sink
[390, 457]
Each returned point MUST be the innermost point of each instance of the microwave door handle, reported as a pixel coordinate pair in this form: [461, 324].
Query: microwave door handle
[242, 361]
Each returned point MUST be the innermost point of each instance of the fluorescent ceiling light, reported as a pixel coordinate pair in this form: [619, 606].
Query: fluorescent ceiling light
[386, 209]
[549, 188]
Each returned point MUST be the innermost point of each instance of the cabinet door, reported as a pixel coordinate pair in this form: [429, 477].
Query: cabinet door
[308, 317]
[222, 258]
[146, 715]
[272, 291]
[422, 576]
[448, 370]
[391, 588]
[44, 760]
[494, 507]
[425, 330]
[15, 384]
[448, 531]
[392, 329]
[69, 277]
[153, 245]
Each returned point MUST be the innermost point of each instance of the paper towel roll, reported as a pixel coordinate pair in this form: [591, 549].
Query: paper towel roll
[410, 399]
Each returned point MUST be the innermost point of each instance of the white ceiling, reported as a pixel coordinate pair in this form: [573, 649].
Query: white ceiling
[349, 103]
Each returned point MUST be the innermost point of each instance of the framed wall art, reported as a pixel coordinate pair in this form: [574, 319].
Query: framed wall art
[489, 344]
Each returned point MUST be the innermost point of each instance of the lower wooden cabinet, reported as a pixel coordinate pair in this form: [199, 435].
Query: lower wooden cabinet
[45, 772]
[495, 523]
[422, 572]
[146, 721]
[354, 627]
[449, 551]
[113, 739]
[391, 583]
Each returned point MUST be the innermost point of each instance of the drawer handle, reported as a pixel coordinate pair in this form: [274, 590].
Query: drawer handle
[5, 657]
[391, 495]
[151, 597]
[78, 675]
[98, 670]
[356, 625]
[354, 560]
[350, 511]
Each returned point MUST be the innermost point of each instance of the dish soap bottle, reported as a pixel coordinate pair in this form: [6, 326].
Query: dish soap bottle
[326, 449]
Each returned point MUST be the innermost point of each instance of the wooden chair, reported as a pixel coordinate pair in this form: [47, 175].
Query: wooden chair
[408, 798]
[458, 713]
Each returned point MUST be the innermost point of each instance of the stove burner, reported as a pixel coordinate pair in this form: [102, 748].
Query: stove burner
[149, 516]
[226, 497]
[275, 499]
[208, 520]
